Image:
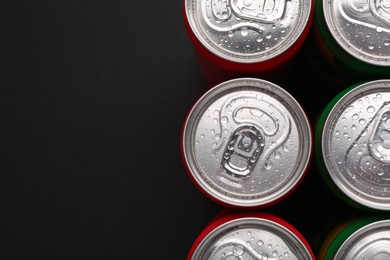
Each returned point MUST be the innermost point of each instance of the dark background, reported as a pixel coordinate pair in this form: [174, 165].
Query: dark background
[93, 97]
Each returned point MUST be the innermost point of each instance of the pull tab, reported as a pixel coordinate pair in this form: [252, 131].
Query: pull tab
[379, 144]
[242, 151]
[266, 11]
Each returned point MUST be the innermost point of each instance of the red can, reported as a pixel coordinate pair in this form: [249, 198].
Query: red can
[250, 235]
[236, 38]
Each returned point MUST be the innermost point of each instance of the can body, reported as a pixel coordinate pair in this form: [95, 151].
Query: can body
[236, 38]
[250, 235]
[358, 238]
[353, 38]
[246, 143]
[351, 140]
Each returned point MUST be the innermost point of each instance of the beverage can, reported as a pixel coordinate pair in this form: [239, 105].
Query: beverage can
[358, 238]
[353, 37]
[250, 235]
[353, 144]
[246, 143]
[236, 38]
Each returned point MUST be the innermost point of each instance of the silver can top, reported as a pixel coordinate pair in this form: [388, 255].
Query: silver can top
[370, 242]
[356, 144]
[248, 31]
[251, 238]
[361, 28]
[247, 142]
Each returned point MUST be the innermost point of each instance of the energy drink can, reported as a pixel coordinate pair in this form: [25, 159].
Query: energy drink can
[250, 235]
[353, 37]
[361, 238]
[246, 143]
[353, 145]
[241, 38]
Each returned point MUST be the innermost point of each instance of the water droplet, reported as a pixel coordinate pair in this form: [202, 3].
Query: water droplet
[238, 250]
[260, 242]
[277, 155]
[362, 121]
[355, 116]
[244, 31]
[379, 29]
[370, 109]
[353, 127]
[371, 46]
[386, 43]
[268, 35]
[202, 135]
[268, 165]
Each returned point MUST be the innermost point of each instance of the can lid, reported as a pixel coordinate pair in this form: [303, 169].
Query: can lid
[247, 142]
[369, 242]
[356, 144]
[361, 28]
[247, 31]
[251, 238]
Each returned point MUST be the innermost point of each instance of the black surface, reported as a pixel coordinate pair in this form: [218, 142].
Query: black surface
[92, 102]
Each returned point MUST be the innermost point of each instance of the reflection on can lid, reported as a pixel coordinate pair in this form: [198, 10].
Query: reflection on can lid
[247, 142]
[370, 242]
[251, 238]
[248, 30]
[361, 28]
[356, 144]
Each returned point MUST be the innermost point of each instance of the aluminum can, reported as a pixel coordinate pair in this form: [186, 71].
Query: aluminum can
[246, 143]
[238, 38]
[359, 238]
[353, 145]
[250, 235]
[353, 37]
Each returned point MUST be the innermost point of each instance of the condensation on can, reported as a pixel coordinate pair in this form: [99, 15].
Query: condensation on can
[358, 238]
[352, 141]
[250, 235]
[237, 37]
[354, 37]
[247, 143]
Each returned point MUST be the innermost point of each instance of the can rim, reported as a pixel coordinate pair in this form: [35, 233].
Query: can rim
[354, 93]
[188, 154]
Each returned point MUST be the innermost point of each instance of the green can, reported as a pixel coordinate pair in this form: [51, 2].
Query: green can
[352, 145]
[353, 37]
[358, 238]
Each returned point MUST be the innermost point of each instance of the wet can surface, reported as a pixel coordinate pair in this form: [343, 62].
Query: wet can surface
[353, 145]
[361, 238]
[247, 236]
[232, 37]
[353, 36]
[246, 143]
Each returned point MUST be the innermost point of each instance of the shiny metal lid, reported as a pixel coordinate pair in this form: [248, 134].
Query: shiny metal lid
[356, 144]
[248, 31]
[361, 28]
[247, 142]
[370, 242]
[251, 238]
